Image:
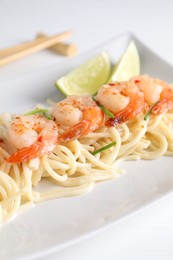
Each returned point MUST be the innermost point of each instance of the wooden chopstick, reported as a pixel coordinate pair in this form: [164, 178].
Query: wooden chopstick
[65, 49]
[62, 48]
[14, 49]
[8, 55]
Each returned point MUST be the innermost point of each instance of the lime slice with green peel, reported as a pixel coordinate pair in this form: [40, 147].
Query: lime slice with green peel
[87, 78]
[128, 66]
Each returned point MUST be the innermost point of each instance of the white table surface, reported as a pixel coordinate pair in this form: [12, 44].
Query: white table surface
[148, 234]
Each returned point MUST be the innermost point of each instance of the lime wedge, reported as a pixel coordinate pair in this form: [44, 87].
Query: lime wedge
[128, 66]
[87, 78]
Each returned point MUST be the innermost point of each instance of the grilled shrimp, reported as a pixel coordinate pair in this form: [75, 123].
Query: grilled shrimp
[123, 99]
[78, 115]
[33, 136]
[155, 90]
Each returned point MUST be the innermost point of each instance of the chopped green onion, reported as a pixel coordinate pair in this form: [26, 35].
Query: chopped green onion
[107, 112]
[150, 111]
[36, 111]
[104, 148]
[47, 115]
[42, 111]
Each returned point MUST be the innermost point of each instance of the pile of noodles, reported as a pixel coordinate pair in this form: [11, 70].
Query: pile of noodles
[73, 169]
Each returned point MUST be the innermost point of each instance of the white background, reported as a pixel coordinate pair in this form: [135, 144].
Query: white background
[149, 234]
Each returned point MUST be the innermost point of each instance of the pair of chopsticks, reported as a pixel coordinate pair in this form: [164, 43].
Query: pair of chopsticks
[55, 43]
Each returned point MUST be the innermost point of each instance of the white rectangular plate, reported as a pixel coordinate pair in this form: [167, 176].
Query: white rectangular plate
[55, 224]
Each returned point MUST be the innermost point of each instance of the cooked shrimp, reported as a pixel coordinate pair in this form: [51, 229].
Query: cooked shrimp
[149, 86]
[155, 90]
[79, 115]
[123, 99]
[166, 102]
[33, 136]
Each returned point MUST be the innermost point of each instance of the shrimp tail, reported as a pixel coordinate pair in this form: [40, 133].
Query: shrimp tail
[27, 153]
[136, 106]
[165, 104]
[81, 129]
[120, 118]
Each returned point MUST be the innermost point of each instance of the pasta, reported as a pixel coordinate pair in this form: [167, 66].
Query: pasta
[79, 142]
[73, 170]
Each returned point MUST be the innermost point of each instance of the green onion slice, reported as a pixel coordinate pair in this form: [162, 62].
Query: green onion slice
[104, 148]
[42, 111]
[150, 111]
[107, 112]
[47, 115]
